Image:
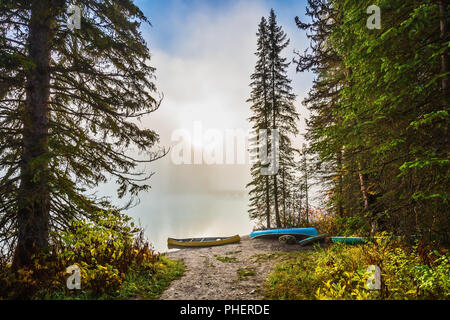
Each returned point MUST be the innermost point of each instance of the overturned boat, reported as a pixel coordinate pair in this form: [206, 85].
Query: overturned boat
[275, 233]
[313, 239]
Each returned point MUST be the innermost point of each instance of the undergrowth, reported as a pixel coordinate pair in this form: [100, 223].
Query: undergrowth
[341, 272]
[112, 256]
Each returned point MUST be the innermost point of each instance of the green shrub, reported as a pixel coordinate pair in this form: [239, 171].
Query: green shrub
[109, 251]
[339, 272]
[343, 226]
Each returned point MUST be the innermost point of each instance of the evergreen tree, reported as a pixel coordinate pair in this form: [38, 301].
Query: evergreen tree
[380, 111]
[273, 109]
[323, 100]
[260, 185]
[284, 115]
[68, 104]
[396, 102]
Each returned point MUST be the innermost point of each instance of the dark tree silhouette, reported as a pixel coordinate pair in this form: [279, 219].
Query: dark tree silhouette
[69, 105]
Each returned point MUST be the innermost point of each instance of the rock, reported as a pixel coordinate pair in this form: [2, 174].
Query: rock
[288, 239]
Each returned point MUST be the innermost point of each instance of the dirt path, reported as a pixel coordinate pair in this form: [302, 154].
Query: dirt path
[232, 271]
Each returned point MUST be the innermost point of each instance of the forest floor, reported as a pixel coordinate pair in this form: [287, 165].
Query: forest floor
[230, 272]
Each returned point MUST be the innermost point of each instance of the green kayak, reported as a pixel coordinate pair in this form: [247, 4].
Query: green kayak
[358, 240]
[351, 240]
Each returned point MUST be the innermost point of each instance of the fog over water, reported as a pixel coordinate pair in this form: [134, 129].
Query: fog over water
[194, 201]
[204, 58]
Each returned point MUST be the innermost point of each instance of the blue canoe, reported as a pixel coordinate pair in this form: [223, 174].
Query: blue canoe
[271, 233]
[313, 239]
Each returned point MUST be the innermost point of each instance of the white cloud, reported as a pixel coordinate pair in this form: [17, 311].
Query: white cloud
[206, 75]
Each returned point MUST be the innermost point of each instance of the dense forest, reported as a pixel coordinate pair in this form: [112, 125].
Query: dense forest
[378, 128]
[376, 145]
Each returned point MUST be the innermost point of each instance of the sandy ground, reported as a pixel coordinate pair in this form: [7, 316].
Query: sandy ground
[206, 277]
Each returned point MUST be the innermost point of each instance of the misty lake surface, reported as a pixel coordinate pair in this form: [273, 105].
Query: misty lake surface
[187, 201]
[192, 215]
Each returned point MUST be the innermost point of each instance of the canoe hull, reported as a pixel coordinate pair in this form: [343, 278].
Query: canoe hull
[201, 242]
[314, 239]
[274, 233]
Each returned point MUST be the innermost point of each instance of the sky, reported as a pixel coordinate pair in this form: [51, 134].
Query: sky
[203, 51]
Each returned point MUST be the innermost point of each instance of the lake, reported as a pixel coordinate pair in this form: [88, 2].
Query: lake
[193, 201]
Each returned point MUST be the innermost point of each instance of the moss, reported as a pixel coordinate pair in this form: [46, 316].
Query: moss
[226, 259]
[244, 273]
[273, 256]
[233, 252]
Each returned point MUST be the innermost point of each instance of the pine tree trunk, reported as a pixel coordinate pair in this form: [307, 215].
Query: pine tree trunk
[300, 204]
[275, 182]
[266, 122]
[306, 200]
[274, 126]
[284, 198]
[363, 182]
[444, 56]
[267, 202]
[305, 163]
[363, 186]
[340, 185]
[34, 196]
[277, 211]
[367, 197]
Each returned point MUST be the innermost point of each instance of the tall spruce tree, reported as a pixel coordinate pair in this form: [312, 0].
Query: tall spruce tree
[260, 185]
[273, 109]
[284, 115]
[69, 101]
